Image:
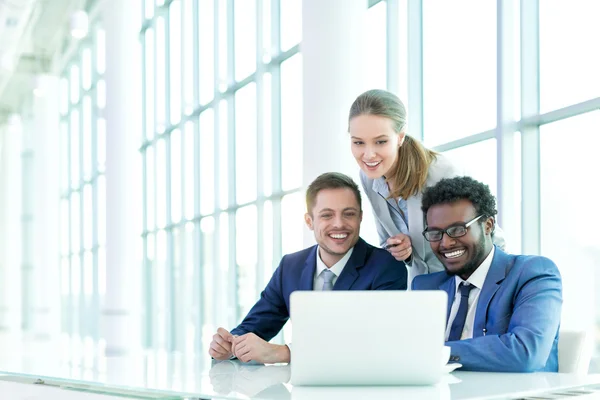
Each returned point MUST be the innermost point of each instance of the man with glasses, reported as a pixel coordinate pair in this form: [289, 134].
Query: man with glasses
[503, 310]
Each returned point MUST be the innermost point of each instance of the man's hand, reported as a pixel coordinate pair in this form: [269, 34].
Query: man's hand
[220, 347]
[399, 246]
[250, 347]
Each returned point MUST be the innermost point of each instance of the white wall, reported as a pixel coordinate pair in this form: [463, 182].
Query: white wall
[333, 76]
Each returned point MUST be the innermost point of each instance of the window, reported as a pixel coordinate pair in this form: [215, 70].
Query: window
[459, 69]
[548, 131]
[565, 190]
[218, 172]
[83, 187]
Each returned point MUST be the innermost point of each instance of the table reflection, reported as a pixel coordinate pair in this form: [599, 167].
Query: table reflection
[252, 380]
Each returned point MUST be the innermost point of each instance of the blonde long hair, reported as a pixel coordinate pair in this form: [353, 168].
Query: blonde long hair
[408, 175]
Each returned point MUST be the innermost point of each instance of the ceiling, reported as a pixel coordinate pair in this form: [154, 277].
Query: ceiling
[32, 33]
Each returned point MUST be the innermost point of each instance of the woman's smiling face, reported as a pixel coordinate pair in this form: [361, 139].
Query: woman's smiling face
[374, 144]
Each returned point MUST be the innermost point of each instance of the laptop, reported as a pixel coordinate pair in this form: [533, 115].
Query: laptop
[367, 337]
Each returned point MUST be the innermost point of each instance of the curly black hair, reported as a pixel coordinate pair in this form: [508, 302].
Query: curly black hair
[449, 190]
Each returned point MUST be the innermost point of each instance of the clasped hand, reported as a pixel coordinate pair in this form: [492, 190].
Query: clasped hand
[248, 347]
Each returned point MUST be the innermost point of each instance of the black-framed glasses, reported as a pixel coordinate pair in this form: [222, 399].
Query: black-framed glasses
[455, 231]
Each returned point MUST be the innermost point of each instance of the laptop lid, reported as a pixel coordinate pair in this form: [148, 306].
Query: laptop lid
[367, 337]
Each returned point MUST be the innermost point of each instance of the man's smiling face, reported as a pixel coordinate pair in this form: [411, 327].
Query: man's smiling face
[463, 255]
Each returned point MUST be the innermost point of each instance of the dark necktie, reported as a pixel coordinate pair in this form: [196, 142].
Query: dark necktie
[459, 321]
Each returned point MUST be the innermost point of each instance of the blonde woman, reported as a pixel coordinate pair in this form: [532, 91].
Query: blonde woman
[395, 169]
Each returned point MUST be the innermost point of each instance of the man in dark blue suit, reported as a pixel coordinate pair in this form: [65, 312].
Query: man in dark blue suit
[341, 260]
[503, 310]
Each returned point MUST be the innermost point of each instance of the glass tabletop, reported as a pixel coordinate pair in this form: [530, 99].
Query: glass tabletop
[162, 375]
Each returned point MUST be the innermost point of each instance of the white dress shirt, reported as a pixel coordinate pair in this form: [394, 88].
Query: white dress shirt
[318, 280]
[336, 268]
[476, 279]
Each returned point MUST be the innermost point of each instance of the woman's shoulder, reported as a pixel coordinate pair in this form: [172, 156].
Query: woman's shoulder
[442, 167]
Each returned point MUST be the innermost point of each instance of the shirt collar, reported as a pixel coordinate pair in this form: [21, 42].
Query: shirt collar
[478, 277]
[380, 186]
[337, 268]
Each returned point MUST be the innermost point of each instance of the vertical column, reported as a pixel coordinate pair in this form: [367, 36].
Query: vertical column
[119, 321]
[332, 75]
[10, 227]
[530, 135]
[415, 68]
[45, 284]
[508, 194]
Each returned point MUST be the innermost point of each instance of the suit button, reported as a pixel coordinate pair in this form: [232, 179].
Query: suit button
[454, 358]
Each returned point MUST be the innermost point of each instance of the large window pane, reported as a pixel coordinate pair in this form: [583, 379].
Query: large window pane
[175, 60]
[188, 57]
[150, 189]
[75, 222]
[376, 52]
[245, 38]
[207, 228]
[64, 96]
[246, 257]
[74, 84]
[175, 175]
[222, 44]
[291, 123]
[266, 49]
[101, 201]
[268, 266]
[149, 83]
[100, 50]
[88, 227]
[291, 23]
[75, 152]
[478, 160]
[267, 135]
[86, 68]
[459, 69]
[86, 137]
[64, 227]
[160, 82]
[207, 162]
[101, 143]
[206, 12]
[189, 170]
[223, 155]
[566, 222]
[65, 178]
[245, 143]
[569, 56]
[161, 184]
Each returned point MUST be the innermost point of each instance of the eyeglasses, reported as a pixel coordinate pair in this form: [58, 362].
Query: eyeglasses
[456, 231]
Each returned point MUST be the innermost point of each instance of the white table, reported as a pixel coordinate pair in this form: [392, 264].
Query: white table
[172, 376]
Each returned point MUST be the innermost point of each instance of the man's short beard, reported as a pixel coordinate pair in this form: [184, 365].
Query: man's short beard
[474, 262]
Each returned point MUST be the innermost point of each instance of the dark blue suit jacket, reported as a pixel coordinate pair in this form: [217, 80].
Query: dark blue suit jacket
[517, 316]
[369, 268]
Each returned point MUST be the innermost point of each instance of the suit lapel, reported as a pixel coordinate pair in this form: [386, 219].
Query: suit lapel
[308, 273]
[492, 282]
[382, 211]
[449, 286]
[349, 273]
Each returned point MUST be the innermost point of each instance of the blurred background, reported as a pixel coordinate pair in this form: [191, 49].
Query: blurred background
[154, 153]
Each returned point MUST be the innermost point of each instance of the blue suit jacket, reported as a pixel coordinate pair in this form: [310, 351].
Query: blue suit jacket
[519, 307]
[369, 268]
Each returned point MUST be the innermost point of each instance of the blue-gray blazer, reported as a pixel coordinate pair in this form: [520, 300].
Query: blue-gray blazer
[517, 316]
[424, 261]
